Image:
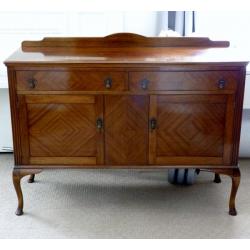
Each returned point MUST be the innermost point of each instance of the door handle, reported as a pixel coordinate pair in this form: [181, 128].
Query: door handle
[144, 84]
[32, 82]
[221, 84]
[99, 123]
[153, 123]
[108, 83]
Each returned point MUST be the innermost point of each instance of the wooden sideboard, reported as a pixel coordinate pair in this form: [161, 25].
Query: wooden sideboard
[126, 101]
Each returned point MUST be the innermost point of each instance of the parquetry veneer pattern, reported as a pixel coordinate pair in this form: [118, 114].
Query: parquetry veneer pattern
[126, 101]
[126, 129]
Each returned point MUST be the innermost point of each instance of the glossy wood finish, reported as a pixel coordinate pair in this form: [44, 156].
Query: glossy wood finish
[193, 80]
[17, 175]
[32, 178]
[121, 40]
[126, 130]
[217, 178]
[61, 129]
[126, 101]
[72, 80]
[190, 128]
[126, 48]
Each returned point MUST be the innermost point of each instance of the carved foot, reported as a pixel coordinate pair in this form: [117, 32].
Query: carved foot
[235, 184]
[232, 211]
[31, 179]
[17, 175]
[197, 171]
[217, 178]
[19, 211]
[234, 173]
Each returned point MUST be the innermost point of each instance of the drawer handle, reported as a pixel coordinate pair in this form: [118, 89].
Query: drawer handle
[221, 84]
[99, 123]
[108, 83]
[144, 84]
[153, 123]
[32, 82]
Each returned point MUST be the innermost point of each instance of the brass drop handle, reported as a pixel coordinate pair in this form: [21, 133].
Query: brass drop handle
[221, 84]
[108, 83]
[32, 82]
[99, 123]
[153, 123]
[144, 84]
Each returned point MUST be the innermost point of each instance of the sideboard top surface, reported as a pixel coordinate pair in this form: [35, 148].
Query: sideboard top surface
[127, 48]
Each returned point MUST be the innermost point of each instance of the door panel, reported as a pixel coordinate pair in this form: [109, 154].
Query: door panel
[190, 129]
[126, 130]
[62, 129]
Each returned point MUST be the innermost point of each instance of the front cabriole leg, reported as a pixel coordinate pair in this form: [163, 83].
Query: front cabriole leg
[235, 184]
[17, 175]
[217, 178]
[234, 173]
[32, 178]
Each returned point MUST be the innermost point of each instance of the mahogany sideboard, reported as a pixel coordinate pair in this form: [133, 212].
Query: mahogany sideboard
[126, 101]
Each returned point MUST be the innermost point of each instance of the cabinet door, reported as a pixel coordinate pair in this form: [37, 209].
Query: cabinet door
[126, 130]
[190, 129]
[61, 129]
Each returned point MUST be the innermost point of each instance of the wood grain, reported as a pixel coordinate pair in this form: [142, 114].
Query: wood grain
[238, 116]
[24, 129]
[14, 109]
[61, 126]
[189, 126]
[88, 160]
[199, 80]
[126, 130]
[228, 133]
[123, 40]
[60, 87]
[72, 80]
[126, 48]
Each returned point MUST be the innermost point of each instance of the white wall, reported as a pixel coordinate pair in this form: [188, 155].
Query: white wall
[5, 122]
[245, 135]
[247, 92]
[245, 130]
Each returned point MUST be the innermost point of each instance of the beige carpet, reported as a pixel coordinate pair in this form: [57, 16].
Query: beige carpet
[121, 204]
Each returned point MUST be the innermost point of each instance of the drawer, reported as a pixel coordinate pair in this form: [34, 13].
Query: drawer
[195, 80]
[71, 80]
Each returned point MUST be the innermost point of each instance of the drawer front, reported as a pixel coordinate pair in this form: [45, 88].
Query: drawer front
[195, 80]
[71, 80]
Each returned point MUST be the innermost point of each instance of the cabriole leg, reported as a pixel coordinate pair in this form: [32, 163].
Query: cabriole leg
[217, 178]
[16, 181]
[17, 175]
[31, 179]
[235, 184]
[234, 173]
